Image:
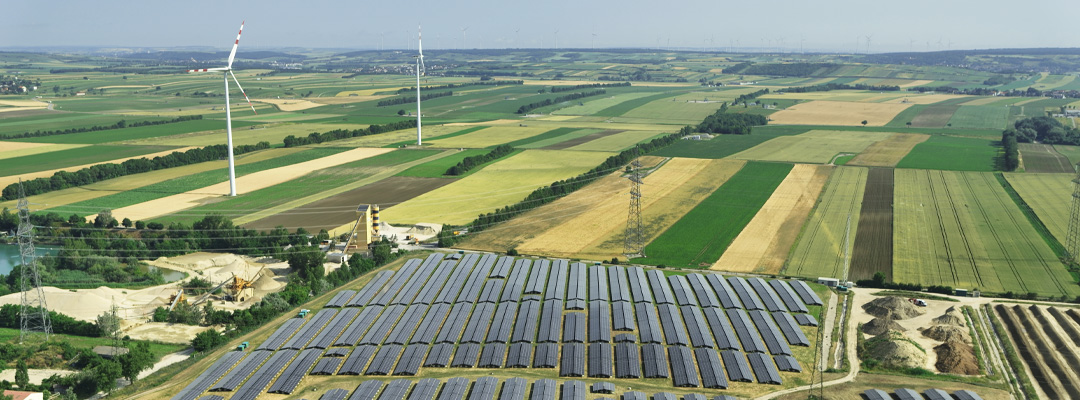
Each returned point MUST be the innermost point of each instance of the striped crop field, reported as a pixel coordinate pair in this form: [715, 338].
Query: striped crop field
[812, 147]
[1049, 195]
[961, 229]
[829, 232]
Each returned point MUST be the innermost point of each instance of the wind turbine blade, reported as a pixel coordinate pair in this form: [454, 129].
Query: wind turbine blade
[236, 43]
[208, 69]
[243, 93]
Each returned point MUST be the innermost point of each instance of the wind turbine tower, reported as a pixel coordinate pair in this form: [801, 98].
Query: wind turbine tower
[420, 70]
[556, 39]
[463, 37]
[226, 72]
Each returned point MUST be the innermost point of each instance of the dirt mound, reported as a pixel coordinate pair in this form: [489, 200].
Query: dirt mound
[956, 357]
[945, 333]
[892, 307]
[878, 326]
[894, 350]
[953, 316]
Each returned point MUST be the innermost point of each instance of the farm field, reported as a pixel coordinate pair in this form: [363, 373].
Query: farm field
[888, 152]
[960, 229]
[1041, 335]
[498, 185]
[1043, 158]
[616, 141]
[812, 147]
[436, 168]
[273, 133]
[721, 146]
[675, 111]
[952, 153]
[154, 132]
[872, 251]
[20, 149]
[722, 215]
[80, 154]
[489, 137]
[764, 244]
[830, 229]
[935, 116]
[980, 117]
[572, 139]
[1072, 152]
[828, 112]
[592, 106]
[1049, 195]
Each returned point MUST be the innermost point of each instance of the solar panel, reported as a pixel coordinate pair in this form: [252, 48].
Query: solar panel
[768, 297]
[454, 389]
[336, 352]
[294, 372]
[598, 283]
[806, 293]
[262, 376]
[693, 396]
[556, 286]
[748, 335]
[366, 390]
[381, 327]
[478, 323]
[429, 326]
[936, 394]
[520, 355]
[396, 390]
[574, 326]
[599, 321]
[578, 284]
[704, 293]
[212, 397]
[484, 388]
[326, 366]
[684, 295]
[603, 387]
[648, 323]
[806, 320]
[764, 369]
[237, 375]
[281, 334]
[787, 363]
[550, 327]
[907, 394]
[335, 394]
[471, 291]
[639, 285]
[627, 361]
[790, 329]
[547, 355]
[490, 292]
[407, 325]
[573, 390]
[738, 370]
[660, 289]
[696, 327]
[542, 389]
[525, 325]
[502, 268]
[966, 395]
[683, 373]
[435, 283]
[492, 355]
[451, 329]
[384, 360]
[411, 360]
[516, 281]
[774, 341]
[673, 325]
[620, 289]
[334, 328]
[538, 277]
[787, 295]
[466, 355]
[723, 291]
[456, 281]
[712, 370]
[391, 289]
[664, 396]
[634, 396]
[723, 334]
[209, 376]
[575, 304]
[654, 360]
[876, 394]
[371, 289]
[359, 326]
[439, 355]
[600, 360]
[573, 360]
[625, 338]
[340, 299]
[502, 323]
[425, 389]
[724, 397]
[310, 329]
[513, 389]
[354, 365]
[622, 316]
[746, 294]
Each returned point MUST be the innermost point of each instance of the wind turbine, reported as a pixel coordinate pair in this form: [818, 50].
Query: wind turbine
[516, 37]
[463, 37]
[226, 71]
[556, 39]
[594, 41]
[868, 37]
[420, 70]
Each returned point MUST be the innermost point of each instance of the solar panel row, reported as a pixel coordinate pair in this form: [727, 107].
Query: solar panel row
[372, 289]
[356, 329]
[723, 291]
[295, 371]
[520, 355]
[358, 359]
[439, 355]
[413, 287]
[502, 268]
[622, 316]
[310, 329]
[600, 360]
[787, 363]
[556, 286]
[654, 360]
[712, 369]
[547, 355]
[333, 329]
[281, 334]
[538, 277]
[806, 293]
[542, 389]
[434, 285]
[684, 295]
[237, 375]
[502, 323]
[550, 322]
[791, 300]
[746, 294]
[738, 369]
[696, 327]
[425, 389]
[683, 373]
[490, 292]
[627, 361]
[209, 376]
[492, 355]
[705, 295]
[525, 325]
[335, 394]
[466, 355]
[478, 323]
[598, 283]
[768, 297]
[573, 390]
[381, 327]
[599, 321]
[660, 289]
[806, 320]
[262, 376]
[751, 342]
[573, 360]
[454, 389]
[648, 323]
[574, 326]
[764, 369]
[672, 324]
[390, 290]
[513, 389]
[516, 281]
[451, 330]
[411, 360]
[769, 333]
[366, 390]
[471, 290]
[457, 280]
[577, 285]
[723, 334]
[326, 366]
[340, 299]
[384, 360]
[620, 290]
[484, 388]
[429, 326]
[396, 390]
[790, 329]
[639, 285]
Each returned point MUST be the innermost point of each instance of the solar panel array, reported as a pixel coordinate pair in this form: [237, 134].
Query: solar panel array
[488, 311]
[932, 394]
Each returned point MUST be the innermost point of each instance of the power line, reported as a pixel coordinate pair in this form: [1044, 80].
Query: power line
[34, 313]
[634, 244]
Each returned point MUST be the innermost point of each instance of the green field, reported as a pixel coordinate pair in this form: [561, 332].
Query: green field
[953, 153]
[980, 117]
[73, 157]
[617, 142]
[142, 132]
[437, 168]
[821, 248]
[1049, 195]
[592, 107]
[701, 235]
[551, 137]
[721, 146]
[1072, 152]
[961, 229]
[904, 117]
[625, 106]
[935, 116]
[812, 147]
[49, 121]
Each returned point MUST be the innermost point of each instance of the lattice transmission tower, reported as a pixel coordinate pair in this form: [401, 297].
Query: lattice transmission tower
[1072, 240]
[34, 314]
[635, 230]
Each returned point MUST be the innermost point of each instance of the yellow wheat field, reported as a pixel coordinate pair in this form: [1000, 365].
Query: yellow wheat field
[289, 104]
[888, 152]
[925, 99]
[764, 244]
[822, 112]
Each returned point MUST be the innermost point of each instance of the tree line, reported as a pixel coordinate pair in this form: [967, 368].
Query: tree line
[96, 173]
[841, 86]
[1043, 129]
[744, 98]
[468, 163]
[534, 105]
[412, 99]
[1011, 156]
[726, 123]
[337, 134]
[557, 89]
[457, 85]
[121, 124]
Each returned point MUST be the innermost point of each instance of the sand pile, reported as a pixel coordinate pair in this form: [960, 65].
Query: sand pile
[952, 316]
[892, 307]
[893, 350]
[878, 326]
[945, 333]
[956, 357]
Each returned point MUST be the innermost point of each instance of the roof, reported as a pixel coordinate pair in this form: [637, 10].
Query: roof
[17, 395]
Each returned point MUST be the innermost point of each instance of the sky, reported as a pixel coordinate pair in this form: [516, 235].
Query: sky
[824, 25]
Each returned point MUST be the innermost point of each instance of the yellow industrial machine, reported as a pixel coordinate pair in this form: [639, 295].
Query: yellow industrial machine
[240, 289]
[366, 229]
[176, 298]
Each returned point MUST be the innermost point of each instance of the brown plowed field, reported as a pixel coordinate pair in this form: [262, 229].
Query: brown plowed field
[1043, 158]
[888, 152]
[340, 209]
[873, 249]
[1050, 369]
[581, 140]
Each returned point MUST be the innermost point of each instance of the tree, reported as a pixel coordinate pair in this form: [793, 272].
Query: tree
[126, 222]
[104, 219]
[207, 340]
[22, 374]
[136, 360]
[381, 253]
[109, 323]
[140, 225]
[879, 278]
[864, 122]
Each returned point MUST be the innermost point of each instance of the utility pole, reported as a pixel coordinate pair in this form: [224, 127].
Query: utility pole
[1072, 240]
[33, 314]
[635, 231]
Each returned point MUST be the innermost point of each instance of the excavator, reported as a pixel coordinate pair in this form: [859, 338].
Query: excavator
[236, 286]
